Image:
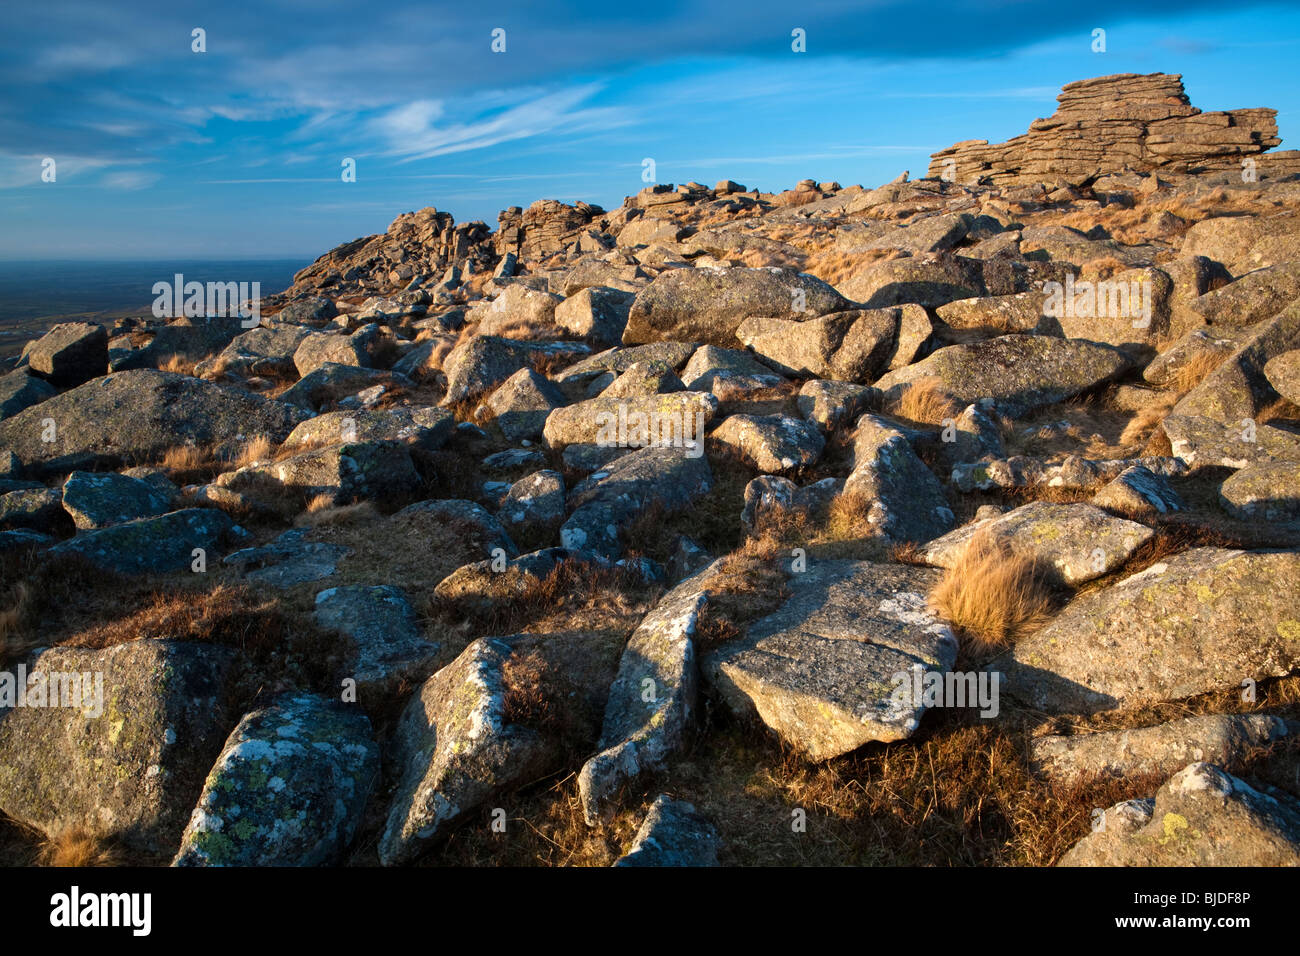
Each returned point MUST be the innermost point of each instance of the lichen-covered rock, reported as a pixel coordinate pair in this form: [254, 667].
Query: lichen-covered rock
[491, 582]
[607, 500]
[619, 360]
[677, 418]
[852, 346]
[485, 361]
[829, 671]
[1203, 620]
[391, 647]
[189, 339]
[21, 538]
[455, 748]
[426, 427]
[359, 469]
[522, 402]
[467, 736]
[707, 305]
[1283, 373]
[1075, 542]
[652, 700]
[727, 373]
[1076, 473]
[163, 543]
[645, 378]
[288, 788]
[1018, 312]
[907, 502]
[770, 495]
[132, 761]
[266, 350]
[332, 382]
[929, 280]
[597, 313]
[34, 509]
[1221, 342]
[1138, 490]
[974, 435]
[672, 834]
[1254, 297]
[1203, 816]
[139, 416]
[318, 348]
[70, 353]
[1214, 424]
[1165, 748]
[771, 443]
[534, 504]
[1266, 490]
[1019, 372]
[98, 500]
[829, 404]
[19, 390]
[288, 560]
[516, 313]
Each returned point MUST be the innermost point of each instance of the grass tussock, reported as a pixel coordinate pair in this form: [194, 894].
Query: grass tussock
[749, 584]
[1145, 424]
[78, 846]
[17, 615]
[834, 265]
[1194, 371]
[924, 401]
[513, 602]
[993, 594]
[258, 449]
[321, 512]
[178, 364]
[186, 464]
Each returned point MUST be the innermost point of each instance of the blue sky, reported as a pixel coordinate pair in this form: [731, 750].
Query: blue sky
[236, 152]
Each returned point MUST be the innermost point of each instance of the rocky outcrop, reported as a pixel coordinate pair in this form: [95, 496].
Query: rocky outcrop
[1108, 124]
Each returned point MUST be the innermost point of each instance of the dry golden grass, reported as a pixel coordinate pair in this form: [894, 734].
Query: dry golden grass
[924, 401]
[256, 450]
[1279, 410]
[178, 364]
[1158, 217]
[748, 585]
[960, 795]
[1146, 423]
[16, 637]
[833, 265]
[1102, 269]
[993, 594]
[80, 847]
[187, 459]
[1192, 372]
[847, 517]
[322, 512]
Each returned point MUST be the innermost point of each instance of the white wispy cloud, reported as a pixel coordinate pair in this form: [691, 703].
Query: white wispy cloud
[417, 130]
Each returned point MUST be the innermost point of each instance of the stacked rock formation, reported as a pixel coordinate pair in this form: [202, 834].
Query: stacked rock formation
[545, 227]
[1111, 123]
[417, 245]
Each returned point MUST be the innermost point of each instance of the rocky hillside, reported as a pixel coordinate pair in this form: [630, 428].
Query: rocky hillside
[954, 521]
